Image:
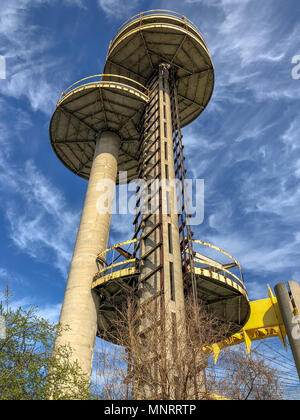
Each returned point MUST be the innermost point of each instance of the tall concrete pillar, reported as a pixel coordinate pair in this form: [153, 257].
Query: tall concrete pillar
[174, 297]
[160, 241]
[161, 126]
[173, 277]
[289, 305]
[79, 310]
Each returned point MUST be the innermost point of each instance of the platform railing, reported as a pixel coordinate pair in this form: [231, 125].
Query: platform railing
[212, 263]
[157, 12]
[116, 258]
[126, 255]
[102, 78]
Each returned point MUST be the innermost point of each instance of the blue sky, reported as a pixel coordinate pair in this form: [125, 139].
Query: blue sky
[246, 145]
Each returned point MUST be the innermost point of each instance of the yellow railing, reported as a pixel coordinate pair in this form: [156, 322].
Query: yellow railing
[117, 258]
[158, 12]
[100, 78]
[125, 255]
[203, 262]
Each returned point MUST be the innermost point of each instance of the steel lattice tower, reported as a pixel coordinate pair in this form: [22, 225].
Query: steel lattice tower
[158, 78]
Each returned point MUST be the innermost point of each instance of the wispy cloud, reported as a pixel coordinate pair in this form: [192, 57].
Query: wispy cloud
[118, 9]
[241, 42]
[257, 256]
[49, 312]
[40, 222]
[291, 137]
[32, 70]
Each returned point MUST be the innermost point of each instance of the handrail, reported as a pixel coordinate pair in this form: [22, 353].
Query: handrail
[217, 249]
[108, 264]
[110, 267]
[218, 270]
[116, 246]
[155, 12]
[101, 257]
[227, 255]
[79, 83]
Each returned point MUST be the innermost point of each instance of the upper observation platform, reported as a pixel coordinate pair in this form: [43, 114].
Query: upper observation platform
[162, 36]
[89, 107]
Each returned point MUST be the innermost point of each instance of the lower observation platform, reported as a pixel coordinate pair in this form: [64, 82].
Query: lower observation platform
[220, 284]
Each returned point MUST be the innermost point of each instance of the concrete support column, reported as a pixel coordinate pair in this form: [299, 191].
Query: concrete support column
[174, 296]
[174, 313]
[79, 310]
[289, 304]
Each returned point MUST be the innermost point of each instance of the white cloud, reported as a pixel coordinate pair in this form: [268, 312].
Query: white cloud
[31, 83]
[221, 218]
[49, 312]
[256, 290]
[246, 35]
[291, 137]
[254, 132]
[273, 188]
[41, 224]
[242, 45]
[118, 8]
[4, 276]
[8, 131]
[257, 256]
[26, 47]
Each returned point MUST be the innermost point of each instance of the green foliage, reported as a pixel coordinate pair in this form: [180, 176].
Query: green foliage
[28, 368]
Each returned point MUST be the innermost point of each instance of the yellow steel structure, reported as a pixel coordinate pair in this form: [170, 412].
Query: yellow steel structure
[265, 319]
[221, 288]
[265, 322]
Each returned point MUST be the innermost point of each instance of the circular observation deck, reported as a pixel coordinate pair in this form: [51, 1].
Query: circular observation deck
[117, 278]
[162, 36]
[91, 106]
[220, 284]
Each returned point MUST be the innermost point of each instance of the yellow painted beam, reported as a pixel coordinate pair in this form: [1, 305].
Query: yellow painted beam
[265, 322]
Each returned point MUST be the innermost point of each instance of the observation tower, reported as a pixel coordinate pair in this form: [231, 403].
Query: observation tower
[158, 78]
